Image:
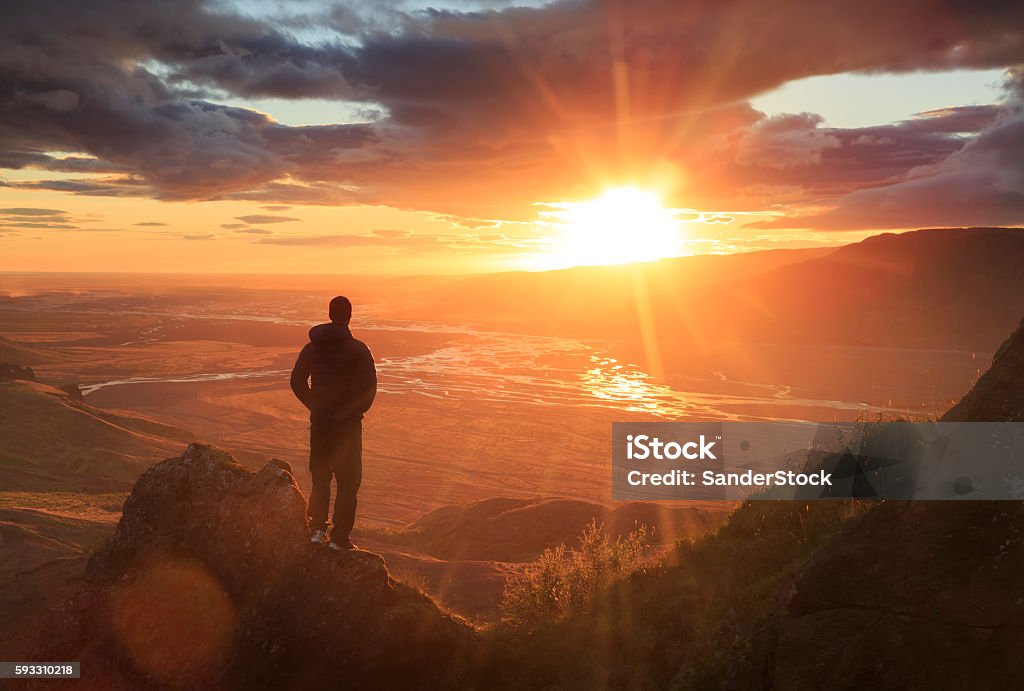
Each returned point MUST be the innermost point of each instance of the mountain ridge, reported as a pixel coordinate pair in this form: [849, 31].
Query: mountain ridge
[913, 289]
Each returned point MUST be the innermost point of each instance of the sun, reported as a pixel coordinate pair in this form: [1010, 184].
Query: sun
[623, 225]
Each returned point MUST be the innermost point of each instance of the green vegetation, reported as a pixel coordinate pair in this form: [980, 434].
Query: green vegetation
[563, 581]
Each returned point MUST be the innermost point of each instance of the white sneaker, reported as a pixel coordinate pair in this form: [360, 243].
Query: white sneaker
[318, 537]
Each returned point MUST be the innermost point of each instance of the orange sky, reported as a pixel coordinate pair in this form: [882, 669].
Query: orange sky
[287, 138]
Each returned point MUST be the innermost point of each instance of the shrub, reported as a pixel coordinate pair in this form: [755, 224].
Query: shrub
[565, 580]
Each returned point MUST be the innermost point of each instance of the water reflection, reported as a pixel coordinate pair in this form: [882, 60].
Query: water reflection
[629, 388]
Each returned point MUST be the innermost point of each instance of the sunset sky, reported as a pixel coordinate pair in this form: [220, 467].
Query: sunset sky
[424, 137]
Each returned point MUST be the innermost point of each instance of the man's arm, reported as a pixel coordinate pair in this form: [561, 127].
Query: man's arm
[368, 380]
[300, 379]
[366, 391]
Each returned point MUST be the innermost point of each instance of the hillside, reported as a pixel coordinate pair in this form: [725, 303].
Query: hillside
[515, 530]
[12, 351]
[65, 468]
[461, 555]
[49, 441]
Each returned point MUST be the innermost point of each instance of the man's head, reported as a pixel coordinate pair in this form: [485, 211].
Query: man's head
[340, 310]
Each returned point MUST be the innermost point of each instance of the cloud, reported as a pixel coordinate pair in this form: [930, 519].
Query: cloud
[483, 113]
[349, 240]
[24, 217]
[255, 231]
[31, 211]
[954, 166]
[263, 218]
[980, 184]
[784, 141]
[150, 224]
[48, 225]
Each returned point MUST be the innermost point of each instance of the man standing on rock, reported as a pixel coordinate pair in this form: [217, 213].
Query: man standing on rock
[335, 378]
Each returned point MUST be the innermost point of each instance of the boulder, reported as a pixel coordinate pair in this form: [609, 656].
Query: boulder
[9, 372]
[73, 391]
[210, 582]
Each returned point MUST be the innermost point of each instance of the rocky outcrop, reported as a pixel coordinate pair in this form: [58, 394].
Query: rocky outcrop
[998, 396]
[9, 372]
[210, 582]
[926, 595]
[73, 391]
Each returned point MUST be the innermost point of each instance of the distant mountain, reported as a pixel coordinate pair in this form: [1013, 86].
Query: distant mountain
[592, 299]
[940, 288]
[943, 288]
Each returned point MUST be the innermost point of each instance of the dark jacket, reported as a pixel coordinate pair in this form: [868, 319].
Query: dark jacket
[334, 376]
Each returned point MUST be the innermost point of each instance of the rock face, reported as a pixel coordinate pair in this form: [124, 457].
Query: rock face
[999, 394]
[9, 372]
[210, 582]
[73, 391]
[925, 595]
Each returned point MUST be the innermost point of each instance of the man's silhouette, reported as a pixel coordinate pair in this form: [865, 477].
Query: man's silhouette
[335, 378]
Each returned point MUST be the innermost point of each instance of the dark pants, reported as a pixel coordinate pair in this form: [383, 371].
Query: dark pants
[335, 449]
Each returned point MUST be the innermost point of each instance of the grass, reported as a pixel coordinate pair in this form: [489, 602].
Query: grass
[72, 503]
[566, 580]
[701, 617]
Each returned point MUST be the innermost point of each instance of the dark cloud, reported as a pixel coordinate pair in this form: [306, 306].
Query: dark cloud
[150, 224]
[255, 231]
[96, 187]
[486, 112]
[49, 225]
[31, 211]
[253, 219]
[785, 141]
[28, 217]
[982, 183]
